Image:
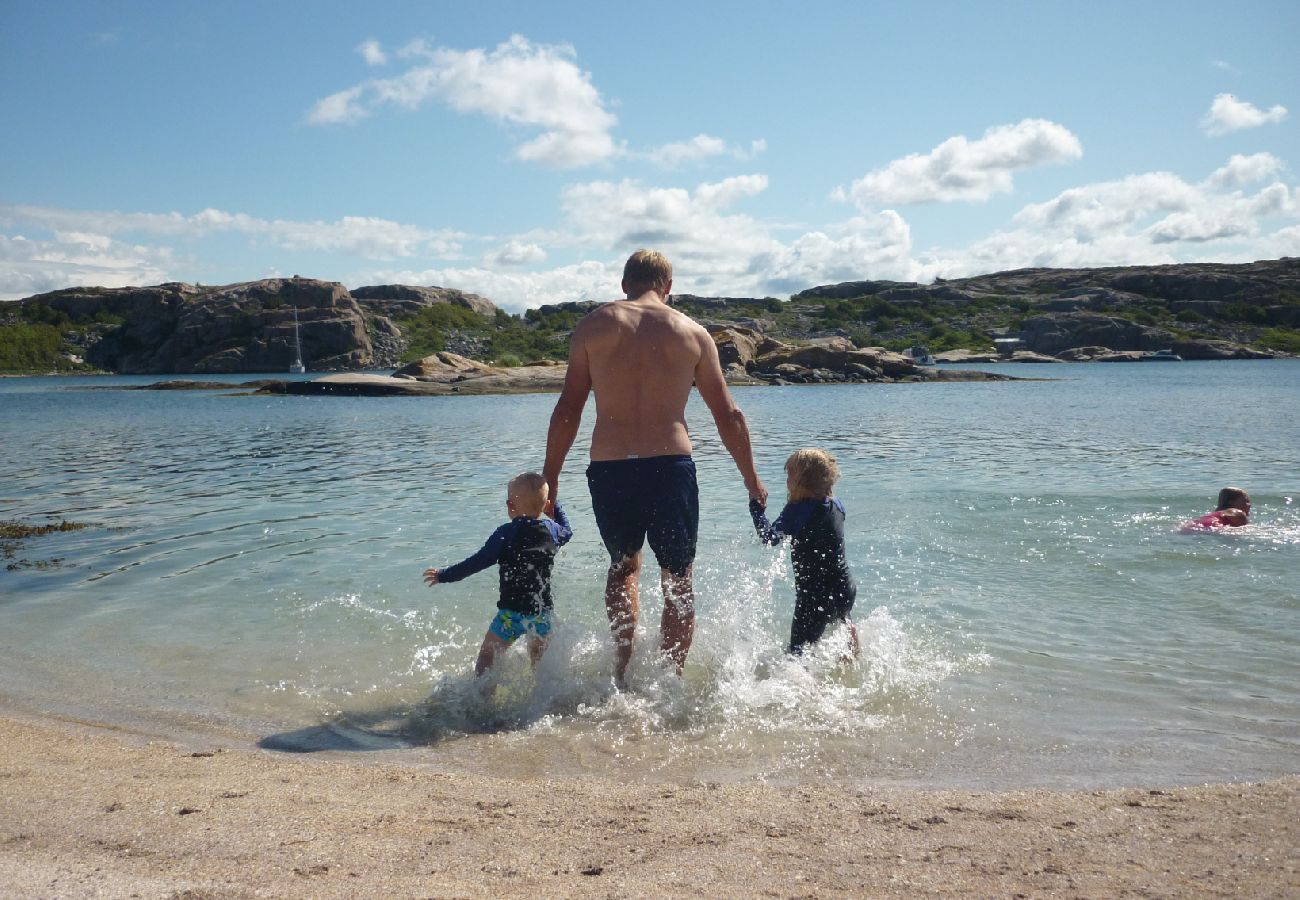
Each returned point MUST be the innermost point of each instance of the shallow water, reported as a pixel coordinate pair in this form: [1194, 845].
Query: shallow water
[1030, 613]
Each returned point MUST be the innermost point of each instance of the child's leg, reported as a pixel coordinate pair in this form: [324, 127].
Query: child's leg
[487, 653]
[536, 647]
[855, 645]
[808, 626]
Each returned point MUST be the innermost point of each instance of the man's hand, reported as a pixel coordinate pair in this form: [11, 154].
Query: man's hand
[758, 492]
[430, 577]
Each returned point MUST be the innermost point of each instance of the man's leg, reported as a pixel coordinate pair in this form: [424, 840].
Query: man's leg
[677, 627]
[672, 532]
[623, 607]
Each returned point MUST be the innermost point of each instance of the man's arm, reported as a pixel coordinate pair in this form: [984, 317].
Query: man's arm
[567, 414]
[732, 427]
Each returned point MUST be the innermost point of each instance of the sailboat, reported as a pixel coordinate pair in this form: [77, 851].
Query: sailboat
[297, 368]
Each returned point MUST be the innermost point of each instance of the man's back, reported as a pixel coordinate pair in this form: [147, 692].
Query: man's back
[642, 357]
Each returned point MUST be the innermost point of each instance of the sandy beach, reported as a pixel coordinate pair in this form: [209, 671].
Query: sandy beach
[91, 812]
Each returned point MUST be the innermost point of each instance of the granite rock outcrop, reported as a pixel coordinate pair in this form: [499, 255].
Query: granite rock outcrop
[246, 327]
[406, 299]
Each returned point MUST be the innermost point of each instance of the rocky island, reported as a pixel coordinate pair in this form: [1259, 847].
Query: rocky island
[446, 340]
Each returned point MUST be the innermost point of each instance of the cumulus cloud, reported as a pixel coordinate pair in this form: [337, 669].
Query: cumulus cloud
[515, 253]
[372, 53]
[694, 227]
[877, 246]
[1243, 170]
[364, 236]
[512, 291]
[519, 83]
[1228, 114]
[699, 148]
[1145, 219]
[1094, 210]
[717, 250]
[1245, 209]
[30, 266]
[962, 169]
[341, 107]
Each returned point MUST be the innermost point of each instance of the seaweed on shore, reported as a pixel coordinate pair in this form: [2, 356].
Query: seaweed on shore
[12, 535]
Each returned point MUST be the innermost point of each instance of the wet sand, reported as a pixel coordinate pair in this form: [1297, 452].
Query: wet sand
[89, 811]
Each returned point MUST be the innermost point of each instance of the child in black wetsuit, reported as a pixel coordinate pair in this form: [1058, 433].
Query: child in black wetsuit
[814, 521]
[525, 549]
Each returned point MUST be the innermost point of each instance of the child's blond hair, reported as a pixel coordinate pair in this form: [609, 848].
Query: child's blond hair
[529, 491]
[813, 474]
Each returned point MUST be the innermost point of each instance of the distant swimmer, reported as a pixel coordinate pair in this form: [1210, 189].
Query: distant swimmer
[813, 520]
[524, 548]
[1233, 511]
[641, 357]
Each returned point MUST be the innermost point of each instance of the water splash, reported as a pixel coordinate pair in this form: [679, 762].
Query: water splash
[742, 697]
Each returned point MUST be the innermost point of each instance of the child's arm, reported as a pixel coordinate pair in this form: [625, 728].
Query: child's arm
[562, 531]
[768, 534]
[487, 556]
[1233, 517]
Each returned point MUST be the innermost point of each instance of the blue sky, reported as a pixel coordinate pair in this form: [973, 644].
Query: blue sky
[522, 150]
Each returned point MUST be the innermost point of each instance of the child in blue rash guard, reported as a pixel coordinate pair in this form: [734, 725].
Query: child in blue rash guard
[524, 548]
[814, 521]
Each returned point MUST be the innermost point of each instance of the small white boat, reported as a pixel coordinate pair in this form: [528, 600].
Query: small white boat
[921, 356]
[296, 368]
[1160, 356]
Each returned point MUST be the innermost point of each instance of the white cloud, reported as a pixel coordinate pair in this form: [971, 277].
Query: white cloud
[364, 236]
[877, 247]
[343, 107]
[725, 193]
[1189, 213]
[372, 53]
[35, 266]
[1223, 65]
[512, 291]
[720, 252]
[1243, 210]
[1090, 212]
[701, 147]
[519, 83]
[961, 169]
[515, 253]
[1146, 219]
[691, 227]
[1228, 114]
[1283, 242]
[1243, 170]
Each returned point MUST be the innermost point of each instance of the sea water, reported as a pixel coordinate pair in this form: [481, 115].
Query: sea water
[1030, 613]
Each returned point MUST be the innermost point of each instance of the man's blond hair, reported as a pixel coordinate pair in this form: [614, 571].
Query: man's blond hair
[813, 474]
[529, 491]
[647, 270]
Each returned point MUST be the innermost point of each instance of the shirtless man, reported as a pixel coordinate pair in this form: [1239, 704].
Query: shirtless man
[641, 357]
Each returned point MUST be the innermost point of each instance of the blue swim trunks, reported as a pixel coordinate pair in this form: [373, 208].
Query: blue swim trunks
[655, 498]
[510, 625]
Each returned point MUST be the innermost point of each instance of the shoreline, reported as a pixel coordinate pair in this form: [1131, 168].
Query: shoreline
[94, 811]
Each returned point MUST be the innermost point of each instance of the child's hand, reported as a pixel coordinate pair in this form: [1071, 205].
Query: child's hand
[430, 577]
